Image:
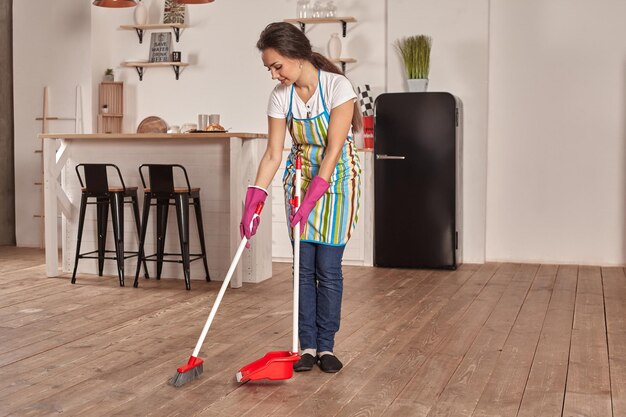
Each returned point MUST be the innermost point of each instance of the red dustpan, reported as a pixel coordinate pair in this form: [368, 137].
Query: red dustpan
[279, 365]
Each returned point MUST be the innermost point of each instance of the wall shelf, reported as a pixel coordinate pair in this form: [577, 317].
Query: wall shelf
[315, 20]
[343, 62]
[140, 66]
[176, 27]
[111, 96]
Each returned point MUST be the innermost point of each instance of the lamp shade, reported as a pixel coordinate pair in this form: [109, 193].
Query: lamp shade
[194, 1]
[115, 3]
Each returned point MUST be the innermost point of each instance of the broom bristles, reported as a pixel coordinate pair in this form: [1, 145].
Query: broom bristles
[182, 378]
[188, 372]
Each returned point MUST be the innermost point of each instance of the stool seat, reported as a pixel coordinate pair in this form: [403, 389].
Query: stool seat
[162, 190]
[177, 190]
[115, 189]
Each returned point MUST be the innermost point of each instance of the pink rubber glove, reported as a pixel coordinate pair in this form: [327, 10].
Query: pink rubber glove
[254, 196]
[315, 191]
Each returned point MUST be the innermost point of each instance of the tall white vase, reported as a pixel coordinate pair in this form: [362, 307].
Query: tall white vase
[334, 46]
[417, 85]
[141, 14]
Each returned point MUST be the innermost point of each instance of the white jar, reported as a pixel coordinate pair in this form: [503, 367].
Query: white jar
[334, 46]
[141, 14]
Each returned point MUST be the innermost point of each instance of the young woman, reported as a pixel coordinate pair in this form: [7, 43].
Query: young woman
[317, 105]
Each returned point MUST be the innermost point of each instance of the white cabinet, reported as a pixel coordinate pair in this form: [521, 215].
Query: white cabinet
[359, 248]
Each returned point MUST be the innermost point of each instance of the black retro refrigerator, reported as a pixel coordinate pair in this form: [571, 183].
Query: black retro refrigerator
[417, 179]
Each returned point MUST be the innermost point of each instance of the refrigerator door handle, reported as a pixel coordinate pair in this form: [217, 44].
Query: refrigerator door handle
[384, 156]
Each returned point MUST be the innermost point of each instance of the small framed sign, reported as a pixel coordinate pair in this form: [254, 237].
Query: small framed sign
[173, 12]
[160, 47]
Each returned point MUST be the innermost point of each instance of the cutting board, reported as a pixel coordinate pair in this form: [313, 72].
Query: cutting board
[152, 124]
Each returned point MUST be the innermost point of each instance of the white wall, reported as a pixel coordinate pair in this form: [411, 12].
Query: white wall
[51, 48]
[542, 83]
[226, 75]
[556, 132]
[459, 65]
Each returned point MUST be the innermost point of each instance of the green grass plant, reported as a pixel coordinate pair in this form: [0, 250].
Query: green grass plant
[415, 52]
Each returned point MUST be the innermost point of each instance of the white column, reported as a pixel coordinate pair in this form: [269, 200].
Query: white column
[50, 207]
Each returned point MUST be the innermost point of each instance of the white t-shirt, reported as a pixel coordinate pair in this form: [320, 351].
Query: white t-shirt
[336, 90]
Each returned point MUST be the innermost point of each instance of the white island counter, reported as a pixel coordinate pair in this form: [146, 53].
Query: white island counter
[221, 164]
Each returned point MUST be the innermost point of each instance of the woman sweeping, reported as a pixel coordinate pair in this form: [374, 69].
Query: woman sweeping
[317, 104]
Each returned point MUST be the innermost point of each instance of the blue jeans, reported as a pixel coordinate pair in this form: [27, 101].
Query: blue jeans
[321, 288]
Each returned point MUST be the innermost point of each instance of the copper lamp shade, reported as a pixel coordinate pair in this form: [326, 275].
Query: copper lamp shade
[115, 3]
[194, 1]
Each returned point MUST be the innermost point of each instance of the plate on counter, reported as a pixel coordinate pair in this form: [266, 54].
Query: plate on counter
[208, 131]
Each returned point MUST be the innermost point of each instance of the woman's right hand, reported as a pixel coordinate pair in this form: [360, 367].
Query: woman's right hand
[254, 196]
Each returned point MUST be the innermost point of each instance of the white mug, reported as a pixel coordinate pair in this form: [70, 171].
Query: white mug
[203, 121]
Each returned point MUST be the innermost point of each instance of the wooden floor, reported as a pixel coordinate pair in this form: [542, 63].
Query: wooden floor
[485, 340]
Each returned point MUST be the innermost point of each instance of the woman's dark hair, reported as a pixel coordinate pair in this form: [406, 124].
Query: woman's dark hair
[290, 42]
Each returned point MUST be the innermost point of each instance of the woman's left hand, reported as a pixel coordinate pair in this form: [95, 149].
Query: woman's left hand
[315, 191]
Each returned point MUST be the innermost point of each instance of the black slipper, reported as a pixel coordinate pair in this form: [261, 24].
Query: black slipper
[330, 363]
[305, 363]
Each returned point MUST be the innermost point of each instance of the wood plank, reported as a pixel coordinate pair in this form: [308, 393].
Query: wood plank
[396, 364]
[614, 284]
[435, 366]
[503, 393]
[588, 390]
[516, 319]
[544, 390]
[484, 340]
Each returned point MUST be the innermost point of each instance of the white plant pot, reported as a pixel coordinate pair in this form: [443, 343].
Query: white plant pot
[417, 85]
[141, 14]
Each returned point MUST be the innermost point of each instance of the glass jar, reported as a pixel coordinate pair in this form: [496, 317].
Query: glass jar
[318, 10]
[331, 9]
[302, 9]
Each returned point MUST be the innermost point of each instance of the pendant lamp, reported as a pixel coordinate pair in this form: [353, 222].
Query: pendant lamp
[115, 3]
[194, 1]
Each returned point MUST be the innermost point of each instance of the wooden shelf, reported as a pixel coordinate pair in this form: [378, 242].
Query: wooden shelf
[140, 29]
[315, 20]
[111, 95]
[140, 66]
[343, 62]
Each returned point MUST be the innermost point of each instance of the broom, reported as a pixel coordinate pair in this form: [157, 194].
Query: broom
[194, 368]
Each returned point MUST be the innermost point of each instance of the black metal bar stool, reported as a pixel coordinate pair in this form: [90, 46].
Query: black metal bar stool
[162, 190]
[96, 186]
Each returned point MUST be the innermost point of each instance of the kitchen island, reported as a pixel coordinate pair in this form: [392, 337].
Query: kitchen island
[220, 164]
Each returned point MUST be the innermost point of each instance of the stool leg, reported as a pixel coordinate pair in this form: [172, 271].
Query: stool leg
[102, 217]
[117, 217]
[142, 236]
[81, 223]
[163, 207]
[182, 215]
[198, 209]
[140, 255]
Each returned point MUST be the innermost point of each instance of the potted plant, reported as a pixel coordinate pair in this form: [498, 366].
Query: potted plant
[108, 75]
[415, 53]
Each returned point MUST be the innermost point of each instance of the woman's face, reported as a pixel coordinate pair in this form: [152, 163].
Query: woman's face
[285, 70]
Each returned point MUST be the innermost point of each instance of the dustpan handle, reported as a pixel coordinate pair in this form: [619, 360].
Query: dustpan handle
[296, 255]
[229, 275]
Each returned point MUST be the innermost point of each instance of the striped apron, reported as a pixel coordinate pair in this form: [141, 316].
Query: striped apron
[334, 217]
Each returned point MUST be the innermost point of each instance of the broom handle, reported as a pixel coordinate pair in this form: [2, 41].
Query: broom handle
[296, 257]
[229, 275]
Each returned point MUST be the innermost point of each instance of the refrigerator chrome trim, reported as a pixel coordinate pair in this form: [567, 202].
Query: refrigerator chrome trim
[383, 156]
